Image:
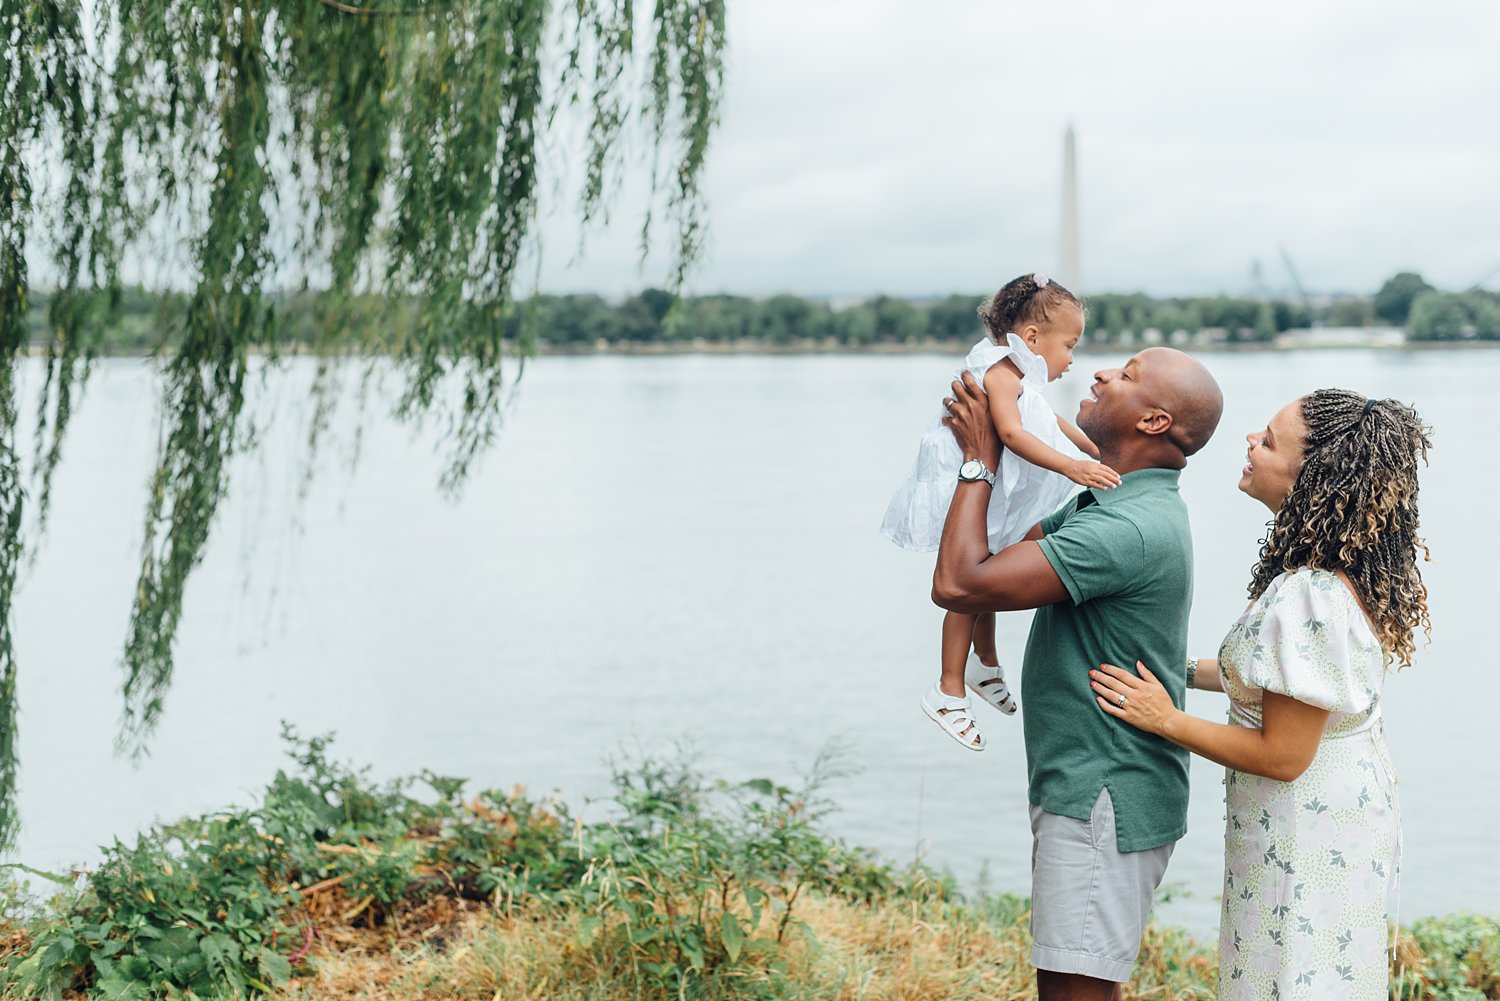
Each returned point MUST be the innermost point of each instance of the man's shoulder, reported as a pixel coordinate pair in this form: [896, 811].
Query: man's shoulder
[1128, 543]
[1105, 519]
[1096, 551]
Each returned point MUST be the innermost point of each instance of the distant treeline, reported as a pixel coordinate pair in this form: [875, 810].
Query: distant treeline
[144, 320]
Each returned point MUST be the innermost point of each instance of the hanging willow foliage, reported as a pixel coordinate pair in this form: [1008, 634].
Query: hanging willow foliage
[385, 153]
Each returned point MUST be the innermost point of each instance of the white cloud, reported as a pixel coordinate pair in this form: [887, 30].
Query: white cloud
[882, 147]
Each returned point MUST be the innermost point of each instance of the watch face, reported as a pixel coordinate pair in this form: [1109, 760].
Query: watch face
[973, 469]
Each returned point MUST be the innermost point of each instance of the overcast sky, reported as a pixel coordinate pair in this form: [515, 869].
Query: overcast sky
[885, 146]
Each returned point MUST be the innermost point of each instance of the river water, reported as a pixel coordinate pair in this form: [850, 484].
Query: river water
[666, 548]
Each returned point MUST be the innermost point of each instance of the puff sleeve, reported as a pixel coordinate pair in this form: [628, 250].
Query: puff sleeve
[1307, 647]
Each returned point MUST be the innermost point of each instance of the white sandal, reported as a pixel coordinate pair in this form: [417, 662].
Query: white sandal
[989, 684]
[954, 715]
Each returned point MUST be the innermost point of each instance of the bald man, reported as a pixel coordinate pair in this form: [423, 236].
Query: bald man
[1111, 577]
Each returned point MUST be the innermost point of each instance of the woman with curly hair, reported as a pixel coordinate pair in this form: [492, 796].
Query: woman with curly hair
[1313, 824]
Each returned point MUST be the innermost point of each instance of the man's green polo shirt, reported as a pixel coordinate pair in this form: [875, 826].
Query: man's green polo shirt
[1126, 558]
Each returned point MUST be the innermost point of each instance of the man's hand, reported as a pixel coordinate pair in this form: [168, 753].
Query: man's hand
[969, 420]
[968, 579]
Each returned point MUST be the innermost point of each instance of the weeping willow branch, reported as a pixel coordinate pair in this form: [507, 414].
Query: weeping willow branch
[205, 380]
[21, 115]
[88, 291]
[10, 560]
[393, 163]
[344, 8]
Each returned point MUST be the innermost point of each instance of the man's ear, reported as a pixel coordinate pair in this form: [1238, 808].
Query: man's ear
[1156, 421]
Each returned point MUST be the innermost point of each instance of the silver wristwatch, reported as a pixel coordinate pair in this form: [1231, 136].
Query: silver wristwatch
[973, 470]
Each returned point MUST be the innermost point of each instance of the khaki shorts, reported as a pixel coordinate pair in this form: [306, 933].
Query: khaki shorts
[1089, 900]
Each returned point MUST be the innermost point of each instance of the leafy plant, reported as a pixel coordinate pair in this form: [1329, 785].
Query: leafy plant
[685, 887]
[193, 906]
[1455, 958]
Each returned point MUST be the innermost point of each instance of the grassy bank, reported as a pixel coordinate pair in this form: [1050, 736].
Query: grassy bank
[334, 886]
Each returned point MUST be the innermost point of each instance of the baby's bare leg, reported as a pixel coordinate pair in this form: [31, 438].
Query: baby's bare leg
[958, 631]
[984, 639]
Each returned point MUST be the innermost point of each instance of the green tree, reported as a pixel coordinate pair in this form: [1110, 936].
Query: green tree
[1230, 313]
[573, 319]
[1291, 315]
[1106, 318]
[817, 322]
[780, 318]
[956, 317]
[1394, 301]
[1439, 316]
[897, 319]
[1484, 308]
[719, 318]
[1352, 312]
[397, 143]
[1265, 322]
[657, 302]
[1170, 316]
[634, 320]
[1446, 316]
[857, 324]
[1121, 315]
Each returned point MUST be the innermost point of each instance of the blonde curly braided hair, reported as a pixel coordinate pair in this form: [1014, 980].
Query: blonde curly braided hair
[1353, 507]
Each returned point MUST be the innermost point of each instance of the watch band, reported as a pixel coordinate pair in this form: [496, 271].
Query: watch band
[985, 473]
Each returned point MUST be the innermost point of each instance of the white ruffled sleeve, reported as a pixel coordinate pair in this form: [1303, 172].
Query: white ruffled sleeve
[1033, 367]
[981, 358]
[986, 354]
[1305, 649]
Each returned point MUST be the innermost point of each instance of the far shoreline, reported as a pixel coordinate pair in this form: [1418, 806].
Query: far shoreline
[937, 347]
[812, 348]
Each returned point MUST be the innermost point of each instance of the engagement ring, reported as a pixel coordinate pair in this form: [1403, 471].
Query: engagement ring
[1122, 702]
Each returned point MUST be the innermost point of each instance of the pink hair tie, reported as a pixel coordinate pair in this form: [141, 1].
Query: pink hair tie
[1040, 279]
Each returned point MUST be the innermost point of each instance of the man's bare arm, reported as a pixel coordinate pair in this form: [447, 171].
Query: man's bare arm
[1018, 576]
[968, 579]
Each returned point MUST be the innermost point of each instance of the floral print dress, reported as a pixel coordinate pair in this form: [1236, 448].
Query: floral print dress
[1308, 863]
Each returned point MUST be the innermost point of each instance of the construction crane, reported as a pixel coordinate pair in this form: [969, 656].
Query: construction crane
[1291, 269]
[1480, 284]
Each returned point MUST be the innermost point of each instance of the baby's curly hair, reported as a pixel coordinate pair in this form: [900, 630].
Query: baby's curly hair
[1353, 507]
[1020, 302]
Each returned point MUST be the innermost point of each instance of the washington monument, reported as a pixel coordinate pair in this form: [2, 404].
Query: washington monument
[1068, 265]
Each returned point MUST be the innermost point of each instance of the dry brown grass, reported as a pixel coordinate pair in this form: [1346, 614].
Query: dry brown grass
[898, 951]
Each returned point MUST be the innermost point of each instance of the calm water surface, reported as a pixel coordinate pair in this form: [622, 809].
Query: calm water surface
[675, 547]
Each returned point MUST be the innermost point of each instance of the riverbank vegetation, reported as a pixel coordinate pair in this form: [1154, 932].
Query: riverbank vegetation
[654, 318]
[338, 886]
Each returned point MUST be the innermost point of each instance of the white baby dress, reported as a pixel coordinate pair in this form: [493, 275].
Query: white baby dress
[1023, 495]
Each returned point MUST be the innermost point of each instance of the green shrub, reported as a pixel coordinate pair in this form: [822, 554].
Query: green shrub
[1454, 958]
[688, 877]
[187, 908]
[684, 885]
[695, 877]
